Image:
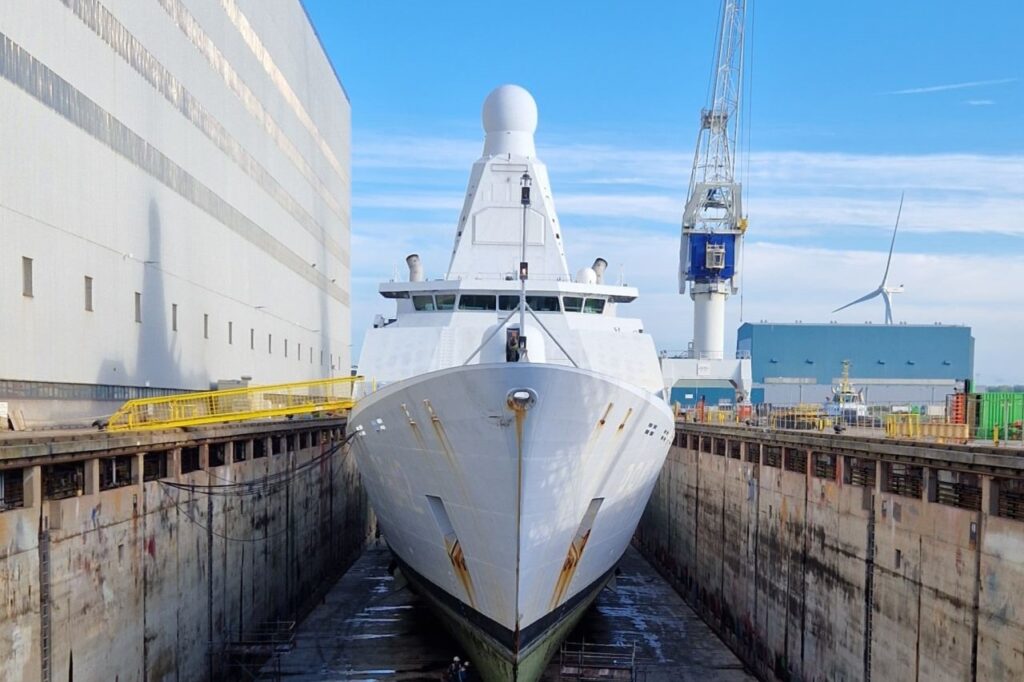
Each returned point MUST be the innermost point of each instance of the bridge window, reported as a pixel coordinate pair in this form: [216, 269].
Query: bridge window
[445, 301]
[423, 303]
[543, 304]
[477, 302]
[594, 305]
[573, 304]
[508, 302]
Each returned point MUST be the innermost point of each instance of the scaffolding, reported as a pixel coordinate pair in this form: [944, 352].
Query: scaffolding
[236, 404]
[255, 654]
[586, 662]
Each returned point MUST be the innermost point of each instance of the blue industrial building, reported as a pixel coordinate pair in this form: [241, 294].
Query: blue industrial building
[892, 363]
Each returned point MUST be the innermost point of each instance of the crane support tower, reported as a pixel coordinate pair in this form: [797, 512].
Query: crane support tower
[713, 220]
[712, 231]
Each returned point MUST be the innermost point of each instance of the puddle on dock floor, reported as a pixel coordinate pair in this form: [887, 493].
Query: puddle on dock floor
[367, 630]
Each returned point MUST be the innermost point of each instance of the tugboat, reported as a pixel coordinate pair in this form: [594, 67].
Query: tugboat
[516, 424]
[847, 404]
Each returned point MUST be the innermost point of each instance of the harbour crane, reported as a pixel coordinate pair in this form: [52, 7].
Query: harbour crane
[713, 219]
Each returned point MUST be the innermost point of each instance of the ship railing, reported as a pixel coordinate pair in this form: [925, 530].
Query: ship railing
[691, 354]
[335, 395]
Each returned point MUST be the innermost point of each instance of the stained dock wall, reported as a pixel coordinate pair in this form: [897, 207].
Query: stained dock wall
[821, 557]
[156, 579]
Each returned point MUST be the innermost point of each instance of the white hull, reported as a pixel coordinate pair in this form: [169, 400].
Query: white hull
[514, 485]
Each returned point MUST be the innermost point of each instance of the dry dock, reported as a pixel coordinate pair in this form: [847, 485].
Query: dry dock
[825, 557]
[812, 556]
[149, 556]
[366, 628]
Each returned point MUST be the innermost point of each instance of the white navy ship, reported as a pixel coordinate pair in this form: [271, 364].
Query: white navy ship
[513, 425]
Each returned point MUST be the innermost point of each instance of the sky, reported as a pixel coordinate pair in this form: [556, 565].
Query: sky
[848, 106]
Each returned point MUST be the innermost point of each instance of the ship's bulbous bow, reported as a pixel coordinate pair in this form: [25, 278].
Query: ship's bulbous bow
[508, 492]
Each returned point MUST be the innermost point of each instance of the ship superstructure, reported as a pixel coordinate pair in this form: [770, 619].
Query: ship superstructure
[516, 425]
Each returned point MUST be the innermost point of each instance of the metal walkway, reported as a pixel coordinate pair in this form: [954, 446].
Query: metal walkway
[235, 404]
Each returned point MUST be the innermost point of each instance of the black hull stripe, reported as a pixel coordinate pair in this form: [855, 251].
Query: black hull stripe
[496, 630]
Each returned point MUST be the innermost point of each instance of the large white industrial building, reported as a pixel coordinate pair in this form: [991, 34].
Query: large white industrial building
[174, 201]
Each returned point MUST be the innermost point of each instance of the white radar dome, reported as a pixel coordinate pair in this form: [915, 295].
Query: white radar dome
[510, 119]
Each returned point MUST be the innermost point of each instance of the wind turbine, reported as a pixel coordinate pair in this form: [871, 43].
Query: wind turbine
[884, 291]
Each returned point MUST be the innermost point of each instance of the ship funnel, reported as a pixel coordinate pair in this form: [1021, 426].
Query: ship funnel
[415, 268]
[599, 267]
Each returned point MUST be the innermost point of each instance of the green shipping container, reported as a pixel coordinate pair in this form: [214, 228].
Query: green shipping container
[995, 408]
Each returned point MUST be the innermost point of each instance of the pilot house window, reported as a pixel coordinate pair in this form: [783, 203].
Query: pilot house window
[543, 304]
[573, 304]
[445, 301]
[423, 303]
[476, 302]
[594, 305]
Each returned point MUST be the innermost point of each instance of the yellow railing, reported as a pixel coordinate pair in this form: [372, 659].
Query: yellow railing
[235, 404]
[802, 417]
[903, 425]
[911, 426]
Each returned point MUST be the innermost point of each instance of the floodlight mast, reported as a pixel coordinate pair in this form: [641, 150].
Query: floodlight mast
[713, 220]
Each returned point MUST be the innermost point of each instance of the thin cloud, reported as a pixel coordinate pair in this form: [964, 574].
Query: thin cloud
[979, 102]
[951, 86]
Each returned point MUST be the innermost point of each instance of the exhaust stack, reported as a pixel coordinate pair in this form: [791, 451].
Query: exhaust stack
[415, 267]
[599, 267]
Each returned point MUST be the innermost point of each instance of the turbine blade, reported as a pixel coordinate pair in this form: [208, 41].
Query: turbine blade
[865, 297]
[888, 262]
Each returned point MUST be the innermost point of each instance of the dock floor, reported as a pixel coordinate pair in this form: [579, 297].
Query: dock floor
[365, 629]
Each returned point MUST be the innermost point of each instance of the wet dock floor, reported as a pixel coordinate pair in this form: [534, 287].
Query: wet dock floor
[366, 629]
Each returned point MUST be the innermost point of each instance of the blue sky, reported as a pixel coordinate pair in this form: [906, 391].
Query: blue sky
[850, 104]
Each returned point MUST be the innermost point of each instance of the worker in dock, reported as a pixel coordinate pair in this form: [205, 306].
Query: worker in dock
[451, 674]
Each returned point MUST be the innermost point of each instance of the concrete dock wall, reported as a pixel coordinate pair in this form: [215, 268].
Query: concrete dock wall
[160, 579]
[833, 558]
